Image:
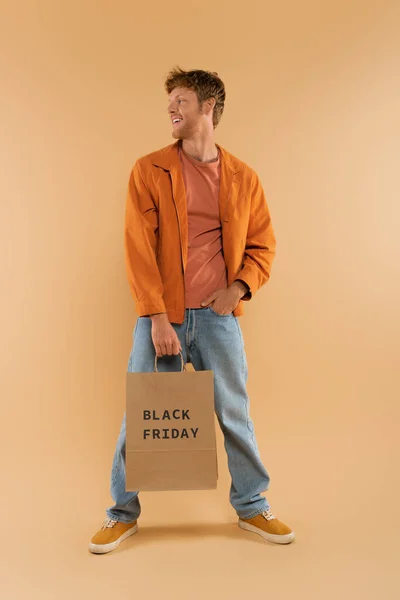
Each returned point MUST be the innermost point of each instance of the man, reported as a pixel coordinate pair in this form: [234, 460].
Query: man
[198, 243]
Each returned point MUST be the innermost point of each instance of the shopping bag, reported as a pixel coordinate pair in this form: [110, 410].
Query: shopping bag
[170, 430]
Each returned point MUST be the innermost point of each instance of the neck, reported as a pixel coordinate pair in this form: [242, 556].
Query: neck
[201, 148]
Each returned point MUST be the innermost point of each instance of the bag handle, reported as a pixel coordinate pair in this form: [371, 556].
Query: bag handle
[183, 367]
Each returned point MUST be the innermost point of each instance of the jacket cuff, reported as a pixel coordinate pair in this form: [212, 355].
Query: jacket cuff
[249, 294]
[143, 309]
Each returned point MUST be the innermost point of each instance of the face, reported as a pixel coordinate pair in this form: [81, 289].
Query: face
[188, 118]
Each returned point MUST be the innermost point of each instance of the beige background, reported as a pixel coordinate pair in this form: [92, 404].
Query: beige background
[312, 104]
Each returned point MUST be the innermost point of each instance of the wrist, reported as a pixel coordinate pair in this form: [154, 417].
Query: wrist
[241, 287]
[159, 317]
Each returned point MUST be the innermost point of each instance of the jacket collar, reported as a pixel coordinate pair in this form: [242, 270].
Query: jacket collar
[168, 158]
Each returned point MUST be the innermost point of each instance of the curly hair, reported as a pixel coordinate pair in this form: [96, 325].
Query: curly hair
[205, 84]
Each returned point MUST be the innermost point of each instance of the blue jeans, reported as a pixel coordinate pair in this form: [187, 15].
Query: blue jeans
[209, 342]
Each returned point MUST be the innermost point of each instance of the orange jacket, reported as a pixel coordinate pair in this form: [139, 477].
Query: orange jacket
[156, 231]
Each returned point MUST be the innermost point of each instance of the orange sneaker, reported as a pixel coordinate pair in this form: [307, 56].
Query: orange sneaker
[268, 526]
[111, 534]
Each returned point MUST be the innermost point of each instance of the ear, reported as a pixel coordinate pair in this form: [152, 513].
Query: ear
[209, 105]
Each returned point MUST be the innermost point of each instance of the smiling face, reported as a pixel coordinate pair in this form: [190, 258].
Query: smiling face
[187, 116]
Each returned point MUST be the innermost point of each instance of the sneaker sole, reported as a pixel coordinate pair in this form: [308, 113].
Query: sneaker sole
[104, 548]
[271, 537]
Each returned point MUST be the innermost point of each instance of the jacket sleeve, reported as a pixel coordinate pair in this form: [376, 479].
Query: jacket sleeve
[141, 240]
[260, 247]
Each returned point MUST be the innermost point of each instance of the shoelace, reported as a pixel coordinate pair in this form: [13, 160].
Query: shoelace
[267, 514]
[108, 523]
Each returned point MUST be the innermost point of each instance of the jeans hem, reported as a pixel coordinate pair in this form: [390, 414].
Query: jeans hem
[254, 514]
[117, 518]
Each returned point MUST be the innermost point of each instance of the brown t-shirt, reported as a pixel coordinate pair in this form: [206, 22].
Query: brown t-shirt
[206, 269]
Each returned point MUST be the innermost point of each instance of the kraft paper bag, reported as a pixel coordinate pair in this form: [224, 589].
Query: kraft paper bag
[170, 430]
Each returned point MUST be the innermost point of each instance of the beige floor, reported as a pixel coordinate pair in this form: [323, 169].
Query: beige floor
[343, 512]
